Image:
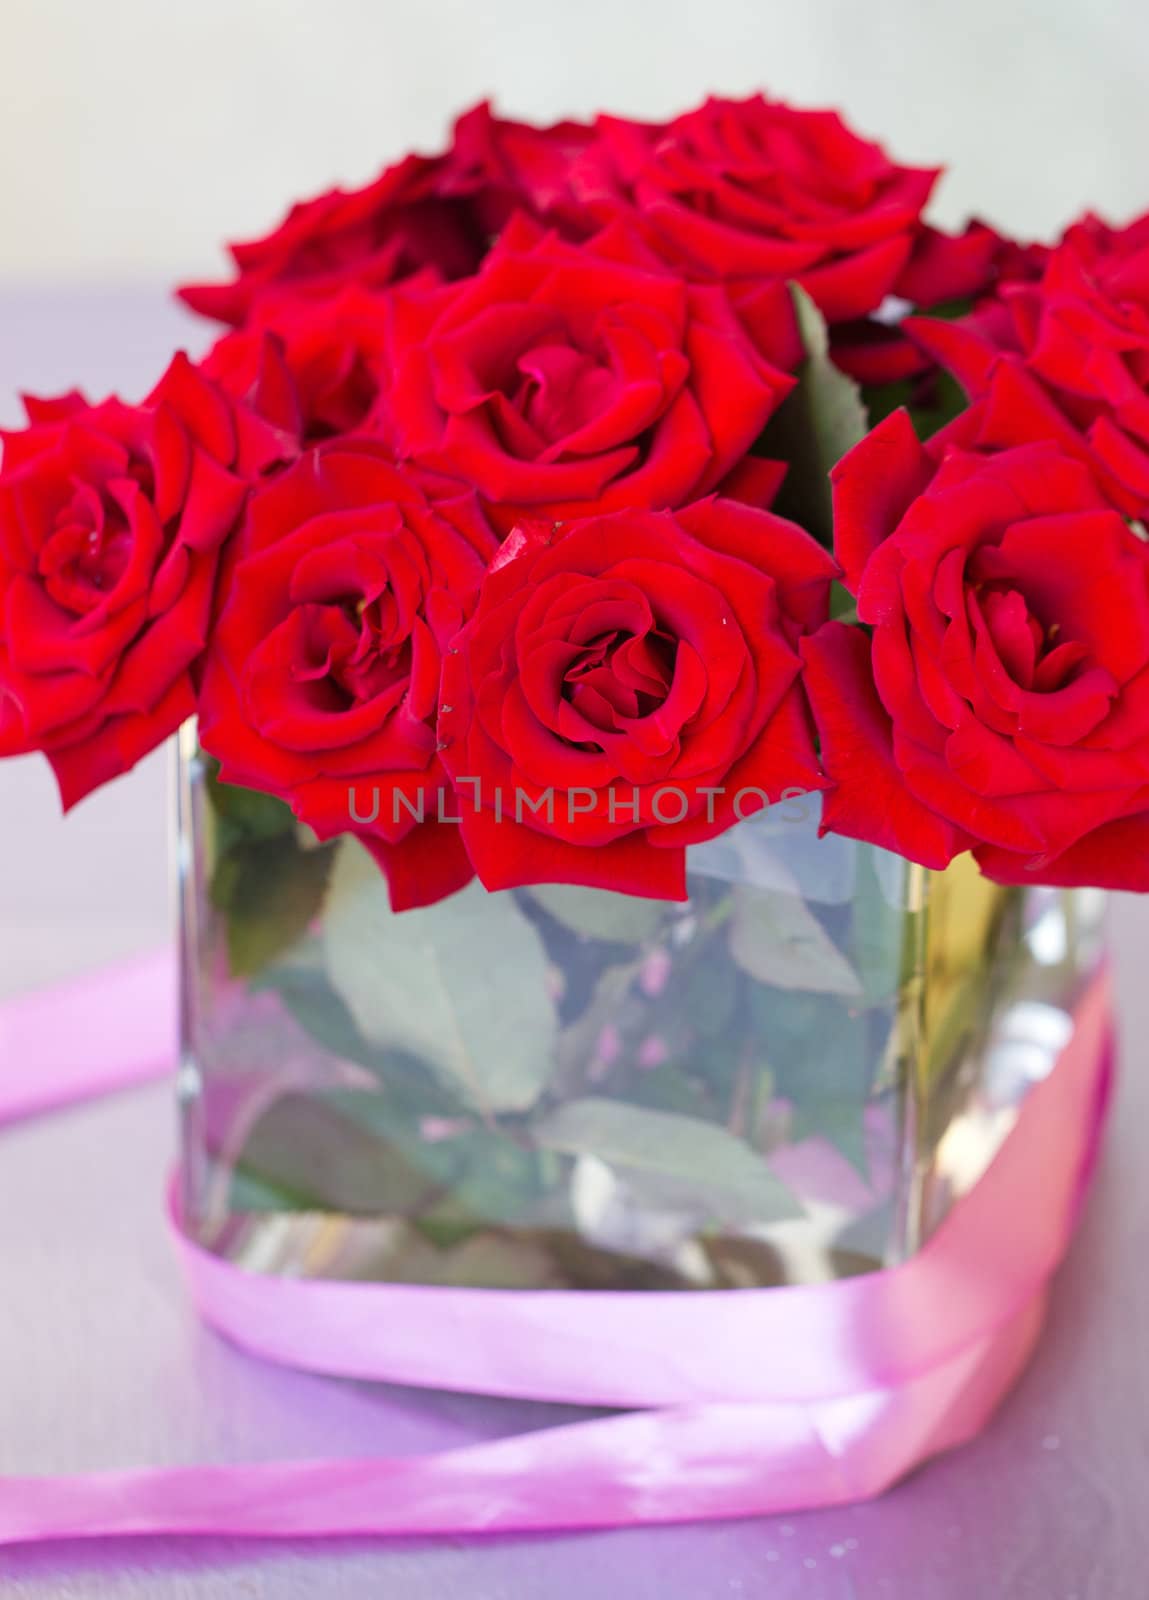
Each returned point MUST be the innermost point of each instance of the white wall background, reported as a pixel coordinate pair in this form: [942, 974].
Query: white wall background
[136, 134]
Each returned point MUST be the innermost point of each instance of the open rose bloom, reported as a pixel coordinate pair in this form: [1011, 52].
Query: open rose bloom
[660, 638]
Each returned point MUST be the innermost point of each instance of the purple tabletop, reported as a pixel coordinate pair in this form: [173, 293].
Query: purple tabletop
[103, 1365]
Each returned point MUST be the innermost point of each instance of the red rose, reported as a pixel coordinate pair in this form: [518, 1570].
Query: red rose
[322, 683]
[563, 380]
[372, 236]
[641, 670]
[439, 212]
[1003, 702]
[753, 191]
[1082, 331]
[942, 268]
[501, 167]
[332, 360]
[111, 522]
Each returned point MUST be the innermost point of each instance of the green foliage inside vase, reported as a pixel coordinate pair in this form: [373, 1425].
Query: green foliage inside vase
[559, 1085]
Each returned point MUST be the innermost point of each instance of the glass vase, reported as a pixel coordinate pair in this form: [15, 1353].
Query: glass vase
[788, 1078]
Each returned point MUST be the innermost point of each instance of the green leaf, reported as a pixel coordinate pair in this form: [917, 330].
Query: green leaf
[249, 1191]
[822, 418]
[950, 310]
[710, 993]
[336, 1150]
[883, 936]
[268, 891]
[944, 400]
[843, 606]
[697, 1158]
[670, 1088]
[600, 913]
[778, 940]
[824, 1061]
[411, 1090]
[307, 993]
[607, 1005]
[932, 402]
[498, 1182]
[840, 1123]
[818, 1052]
[462, 984]
[256, 815]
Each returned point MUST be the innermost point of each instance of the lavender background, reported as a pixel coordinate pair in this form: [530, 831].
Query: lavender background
[103, 1365]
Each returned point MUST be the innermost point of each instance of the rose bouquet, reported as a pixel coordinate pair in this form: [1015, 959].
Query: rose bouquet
[614, 569]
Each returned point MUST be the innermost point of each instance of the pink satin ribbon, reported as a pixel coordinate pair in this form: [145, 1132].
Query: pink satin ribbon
[96, 1035]
[759, 1400]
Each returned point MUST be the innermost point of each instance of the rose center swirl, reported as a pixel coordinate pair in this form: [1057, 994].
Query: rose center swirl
[87, 552]
[619, 677]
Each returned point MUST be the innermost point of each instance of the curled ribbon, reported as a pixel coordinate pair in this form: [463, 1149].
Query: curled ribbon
[741, 1402]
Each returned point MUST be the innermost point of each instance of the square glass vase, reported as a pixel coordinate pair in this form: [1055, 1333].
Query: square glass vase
[788, 1078]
